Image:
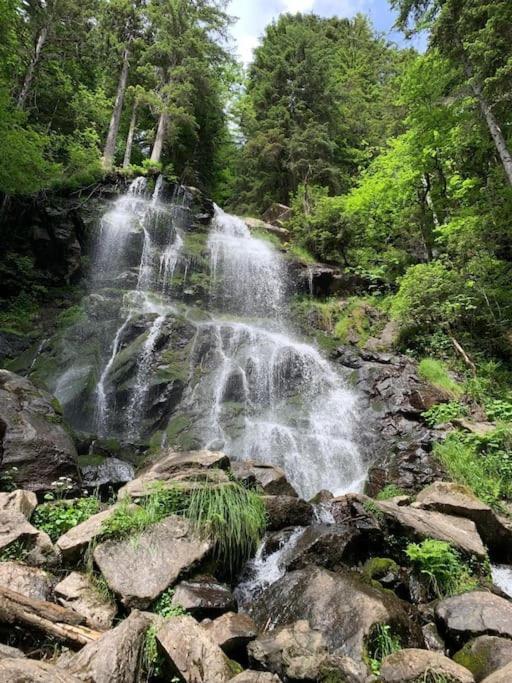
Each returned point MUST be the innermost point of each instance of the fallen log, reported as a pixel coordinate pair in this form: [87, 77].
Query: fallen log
[54, 620]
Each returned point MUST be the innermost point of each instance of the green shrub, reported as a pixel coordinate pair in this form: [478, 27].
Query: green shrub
[435, 372]
[390, 491]
[55, 518]
[71, 316]
[498, 410]
[483, 463]
[164, 606]
[234, 517]
[442, 413]
[15, 551]
[381, 643]
[442, 565]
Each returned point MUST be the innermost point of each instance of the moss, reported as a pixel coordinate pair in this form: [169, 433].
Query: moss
[377, 567]
[55, 403]
[234, 667]
[435, 372]
[91, 459]
[476, 663]
[267, 236]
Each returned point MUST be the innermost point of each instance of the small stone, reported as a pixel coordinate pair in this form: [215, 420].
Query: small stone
[232, 632]
[203, 597]
[8, 652]
[271, 479]
[287, 511]
[503, 675]
[19, 501]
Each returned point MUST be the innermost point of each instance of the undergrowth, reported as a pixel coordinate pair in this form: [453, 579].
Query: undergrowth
[57, 517]
[435, 372]
[442, 566]
[381, 643]
[390, 491]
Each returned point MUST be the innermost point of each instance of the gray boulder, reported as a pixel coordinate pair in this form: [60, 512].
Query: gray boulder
[232, 632]
[204, 596]
[473, 614]
[113, 658]
[339, 605]
[23, 670]
[77, 592]
[139, 570]
[32, 436]
[29, 581]
[269, 478]
[485, 655]
[287, 511]
[412, 665]
[191, 653]
[19, 501]
[503, 675]
[37, 546]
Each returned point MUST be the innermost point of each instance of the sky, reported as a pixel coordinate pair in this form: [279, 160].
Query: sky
[254, 16]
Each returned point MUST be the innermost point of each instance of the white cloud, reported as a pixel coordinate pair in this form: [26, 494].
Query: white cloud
[298, 5]
[246, 44]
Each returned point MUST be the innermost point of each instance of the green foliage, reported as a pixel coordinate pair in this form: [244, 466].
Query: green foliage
[8, 479]
[71, 316]
[14, 552]
[58, 517]
[441, 413]
[164, 606]
[442, 565]
[435, 372]
[382, 642]
[390, 491]
[483, 463]
[234, 517]
[499, 410]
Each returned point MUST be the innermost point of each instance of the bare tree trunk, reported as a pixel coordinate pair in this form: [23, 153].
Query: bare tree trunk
[29, 76]
[131, 133]
[160, 137]
[110, 145]
[492, 124]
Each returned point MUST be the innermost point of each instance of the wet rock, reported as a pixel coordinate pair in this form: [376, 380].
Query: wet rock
[503, 675]
[454, 499]
[412, 665]
[32, 436]
[110, 471]
[18, 670]
[191, 653]
[113, 658]
[328, 546]
[485, 655]
[37, 546]
[73, 543]
[256, 677]
[29, 581]
[173, 466]
[77, 593]
[203, 597]
[8, 652]
[340, 606]
[19, 501]
[410, 467]
[272, 480]
[415, 523]
[473, 614]
[298, 653]
[232, 632]
[287, 511]
[139, 572]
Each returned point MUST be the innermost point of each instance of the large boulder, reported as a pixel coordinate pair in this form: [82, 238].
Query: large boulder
[113, 658]
[191, 653]
[139, 570]
[36, 545]
[503, 675]
[412, 665]
[29, 581]
[22, 670]
[33, 438]
[8, 652]
[485, 655]
[256, 677]
[174, 467]
[287, 511]
[298, 653]
[75, 541]
[342, 607]
[204, 596]
[454, 499]
[473, 614]
[269, 478]
[19, 501]
[232, 632]
[421, 524]
[78, 593]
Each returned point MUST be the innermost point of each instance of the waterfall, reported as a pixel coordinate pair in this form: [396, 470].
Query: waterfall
[217, 364]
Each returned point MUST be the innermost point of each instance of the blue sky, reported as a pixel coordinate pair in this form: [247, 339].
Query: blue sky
[254, 16]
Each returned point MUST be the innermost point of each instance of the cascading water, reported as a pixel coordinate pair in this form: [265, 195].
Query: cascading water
[197, 349]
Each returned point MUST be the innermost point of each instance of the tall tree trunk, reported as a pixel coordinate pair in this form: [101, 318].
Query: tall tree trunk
[131, 133]
[29, 76]
[160, 137]
[110, 145]
[492, 123]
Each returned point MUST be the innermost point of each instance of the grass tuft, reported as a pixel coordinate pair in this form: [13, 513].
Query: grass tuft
[435, 372]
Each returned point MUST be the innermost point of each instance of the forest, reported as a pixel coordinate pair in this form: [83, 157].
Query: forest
[255, 344]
